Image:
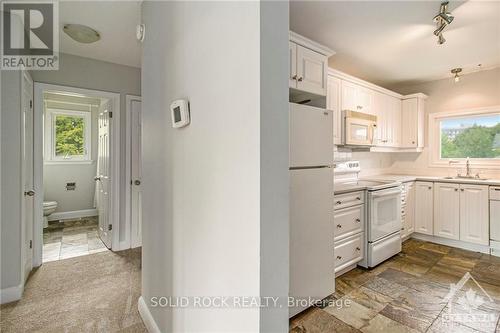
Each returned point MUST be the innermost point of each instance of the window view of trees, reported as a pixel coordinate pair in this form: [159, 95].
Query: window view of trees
[475, 137]
[70, 139]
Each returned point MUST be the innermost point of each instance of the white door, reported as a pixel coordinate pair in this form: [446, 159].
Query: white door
[333, 103]
[103, 178]
[410, 208]
[311, 71]
[27, 173]
[424, 203]
[136, 174]
[292, 50]
[474, 223]
[385, 213]
[446, 210]
[311, 234]
[311, 136]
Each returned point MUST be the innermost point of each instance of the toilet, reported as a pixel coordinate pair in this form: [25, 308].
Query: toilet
[48, 208]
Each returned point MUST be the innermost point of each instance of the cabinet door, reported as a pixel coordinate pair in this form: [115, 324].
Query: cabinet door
[410, 208]
[333, 103]
[424, 202]
[311, 71]
[349, 93]
[409, 123]
[380, 110]
[395, 123]
[292, 79]
[364, 99]
[474, 224]
[446, 210]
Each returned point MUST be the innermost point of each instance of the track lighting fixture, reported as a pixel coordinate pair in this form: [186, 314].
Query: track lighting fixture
[442, 19]
[456, 71]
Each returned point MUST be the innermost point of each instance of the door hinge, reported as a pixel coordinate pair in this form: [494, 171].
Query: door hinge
[111, 114]
[31, 244]
[110, 227]
[31, 104]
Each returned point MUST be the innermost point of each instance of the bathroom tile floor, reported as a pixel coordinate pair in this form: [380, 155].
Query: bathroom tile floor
[408, 293]
[71, 238]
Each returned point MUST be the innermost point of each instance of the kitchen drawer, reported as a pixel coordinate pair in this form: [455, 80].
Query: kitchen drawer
[348, 199]
[348, 251]
[348, 221]
[494, 192]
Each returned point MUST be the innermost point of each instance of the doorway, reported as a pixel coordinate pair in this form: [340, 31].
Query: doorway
[76, 140]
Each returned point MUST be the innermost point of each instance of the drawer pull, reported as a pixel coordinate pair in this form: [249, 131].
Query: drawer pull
[358, 249]
[339, 226]
[358, 220]
[339, 202]
[339, 258]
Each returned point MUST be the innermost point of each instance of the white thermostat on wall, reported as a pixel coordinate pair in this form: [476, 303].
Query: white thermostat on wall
[180, 113]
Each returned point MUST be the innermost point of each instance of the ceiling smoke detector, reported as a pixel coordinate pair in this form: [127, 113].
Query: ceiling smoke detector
[456, 71]
[442, 19]
[81, 33]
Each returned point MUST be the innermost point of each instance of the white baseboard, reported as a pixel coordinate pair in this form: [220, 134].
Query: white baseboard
[75, 214]
[452, 243]
[146, 316]
[11, 294]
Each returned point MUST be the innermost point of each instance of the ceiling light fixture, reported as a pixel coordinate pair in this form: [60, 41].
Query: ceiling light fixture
[456, 71]
[81, 33]
[442, 19]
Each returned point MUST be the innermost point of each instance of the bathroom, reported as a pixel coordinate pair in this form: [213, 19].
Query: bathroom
[70, 177]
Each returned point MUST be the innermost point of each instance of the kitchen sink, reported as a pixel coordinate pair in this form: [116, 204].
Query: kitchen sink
[464, 178]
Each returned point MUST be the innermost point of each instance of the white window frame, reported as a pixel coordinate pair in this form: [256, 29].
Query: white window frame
[435, 138]
[50, 137]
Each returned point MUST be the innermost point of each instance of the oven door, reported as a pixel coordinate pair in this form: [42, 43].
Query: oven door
[359, 132]
[384, 213]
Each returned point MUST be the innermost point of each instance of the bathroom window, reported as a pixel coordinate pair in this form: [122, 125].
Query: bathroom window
[458, 135]
[67, 136]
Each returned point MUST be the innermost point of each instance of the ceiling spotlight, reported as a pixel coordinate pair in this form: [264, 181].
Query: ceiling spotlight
[442, 20]
[81, 33]
[456, 71]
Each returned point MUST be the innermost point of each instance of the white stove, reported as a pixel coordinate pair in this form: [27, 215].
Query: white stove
[383, 226]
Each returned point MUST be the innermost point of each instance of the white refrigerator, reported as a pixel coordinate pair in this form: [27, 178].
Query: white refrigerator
[311, 205]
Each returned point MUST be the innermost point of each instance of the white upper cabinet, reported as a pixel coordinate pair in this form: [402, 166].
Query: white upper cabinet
[424, 203]
[388, 111]
[311, 71]
[333, 103]
[412, 121]
[446, 210]
[308, 65]
[474, 220]
[356, 97]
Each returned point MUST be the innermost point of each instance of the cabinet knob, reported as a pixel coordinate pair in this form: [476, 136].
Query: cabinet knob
[300, 79]
[339, 257]
[358, 220]
[462, 189]
[430, 187]
[294, 77]
[358, 198]
[359, 107]
[358, 249]
[339, 226]
[456, 189]
[339, 202]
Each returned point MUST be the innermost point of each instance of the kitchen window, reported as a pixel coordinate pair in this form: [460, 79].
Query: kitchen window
[458, 135]
[67, 136]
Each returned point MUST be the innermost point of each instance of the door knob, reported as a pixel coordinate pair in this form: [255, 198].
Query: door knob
[29, 193]
[96, 178]
[137, 182]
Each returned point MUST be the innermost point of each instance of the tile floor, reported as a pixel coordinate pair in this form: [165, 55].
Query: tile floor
[408, 294]
[71, 238]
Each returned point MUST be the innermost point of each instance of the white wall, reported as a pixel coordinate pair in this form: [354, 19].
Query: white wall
[93, 74]
[55, 176]
[209, 187]
[475, 90]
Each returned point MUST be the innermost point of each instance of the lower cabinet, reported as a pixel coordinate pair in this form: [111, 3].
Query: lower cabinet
[474, 216]
[453, 211]
[446, 210]
[348, 251]
[408, 209]
[424, 203]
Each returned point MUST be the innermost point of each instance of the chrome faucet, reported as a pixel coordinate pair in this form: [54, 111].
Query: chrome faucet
[467, 168]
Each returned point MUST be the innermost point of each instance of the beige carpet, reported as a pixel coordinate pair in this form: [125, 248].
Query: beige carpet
[93, 293]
